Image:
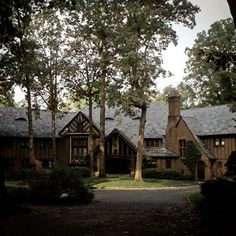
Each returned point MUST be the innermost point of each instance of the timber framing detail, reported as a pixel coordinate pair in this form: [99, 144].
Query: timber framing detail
[79, 125]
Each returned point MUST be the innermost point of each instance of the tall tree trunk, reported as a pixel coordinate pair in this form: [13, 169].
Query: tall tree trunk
[32, 158]
[53, 130]
[139, 157]
[102, 171]
[91, 144]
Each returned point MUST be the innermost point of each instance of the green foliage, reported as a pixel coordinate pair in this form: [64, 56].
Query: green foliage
[218, 205]
[165, 174]
[218, 189]
[49, 188]
[211, 69]
[186, 92]
[25, 174]
[231, 165]
[196, 199]
[192, 155]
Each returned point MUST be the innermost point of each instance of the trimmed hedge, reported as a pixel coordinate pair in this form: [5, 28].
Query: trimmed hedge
[165, 174]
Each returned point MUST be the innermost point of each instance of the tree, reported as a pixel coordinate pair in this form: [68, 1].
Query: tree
[98, 22]
[82, 77]
[6, 96]
[232, 6]
[231, 164]
[187, 97]
[146, 30]
[211, 68]
[48, 32]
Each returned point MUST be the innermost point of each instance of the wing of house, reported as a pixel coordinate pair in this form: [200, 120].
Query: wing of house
[167, 132]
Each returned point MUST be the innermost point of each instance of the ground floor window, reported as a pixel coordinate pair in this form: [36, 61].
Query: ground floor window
[7, 163]
[47, 163]
[168, 164]
[79, 146]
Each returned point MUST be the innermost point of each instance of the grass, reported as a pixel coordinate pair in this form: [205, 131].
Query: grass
[196, 198]
[120, 181]
[129, 182]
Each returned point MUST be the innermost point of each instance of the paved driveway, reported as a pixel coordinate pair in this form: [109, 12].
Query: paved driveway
[158, 197]
[112, 212]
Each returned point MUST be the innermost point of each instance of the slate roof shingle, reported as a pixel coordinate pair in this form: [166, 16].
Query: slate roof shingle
[216, 120]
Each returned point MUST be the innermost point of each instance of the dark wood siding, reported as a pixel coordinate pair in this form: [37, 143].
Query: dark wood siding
[116, 146]
[16, 150]
[221, 151]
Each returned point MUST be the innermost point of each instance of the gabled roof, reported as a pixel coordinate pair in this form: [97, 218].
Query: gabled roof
[156, 120]
[79, 124]
[123, 136]
[216, 120]
[13, 122]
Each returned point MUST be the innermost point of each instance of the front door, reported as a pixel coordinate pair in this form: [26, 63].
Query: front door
[201, 170]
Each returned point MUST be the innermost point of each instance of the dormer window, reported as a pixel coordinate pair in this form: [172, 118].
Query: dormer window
[219, 142]
[21, 119]
[109, 118]
[153, 142]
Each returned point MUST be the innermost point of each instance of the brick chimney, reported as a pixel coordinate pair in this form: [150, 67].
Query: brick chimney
[174, 104]
[173, 119]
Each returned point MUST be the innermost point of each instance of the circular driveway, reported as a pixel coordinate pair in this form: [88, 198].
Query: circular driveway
[158, 197]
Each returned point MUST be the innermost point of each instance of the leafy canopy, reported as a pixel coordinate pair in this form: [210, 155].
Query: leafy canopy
[211, 66]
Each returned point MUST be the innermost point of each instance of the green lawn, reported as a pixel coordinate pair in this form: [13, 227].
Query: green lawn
[125, 182]
[128, 182]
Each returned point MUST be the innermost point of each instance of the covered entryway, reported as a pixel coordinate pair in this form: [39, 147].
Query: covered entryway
[118, 166]
[201, 170]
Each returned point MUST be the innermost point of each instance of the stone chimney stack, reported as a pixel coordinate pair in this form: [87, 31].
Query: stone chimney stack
[173, 119]
[174, 104]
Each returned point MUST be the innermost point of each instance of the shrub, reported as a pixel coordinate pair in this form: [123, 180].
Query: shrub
[25, 174]
[218, 205]
[165, 174]
[80, 170]
[218, 189]
[49, 188]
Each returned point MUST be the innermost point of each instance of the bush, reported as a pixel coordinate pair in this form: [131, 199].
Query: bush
[25, 174]
[165, 174]
[82, 171]
[218, 205]
[218, 189]
[50, 188]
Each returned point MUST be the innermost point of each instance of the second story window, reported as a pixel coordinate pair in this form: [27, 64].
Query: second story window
[219, 142]
[182, 148]
[151, 142]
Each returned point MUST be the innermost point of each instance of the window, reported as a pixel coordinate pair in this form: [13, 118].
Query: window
[47, 164]
[182, 147]
[7, 163]
[79, 146]
[219, 142]
[168, 164]
[151, 142]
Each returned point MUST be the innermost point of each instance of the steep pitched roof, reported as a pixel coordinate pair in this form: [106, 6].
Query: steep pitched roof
[216, 120]
[13, 122]
[156, 120]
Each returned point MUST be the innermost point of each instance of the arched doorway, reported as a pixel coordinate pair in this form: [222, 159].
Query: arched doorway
[201, 170]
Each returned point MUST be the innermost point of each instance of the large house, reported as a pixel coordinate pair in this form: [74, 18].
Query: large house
[168, 131]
